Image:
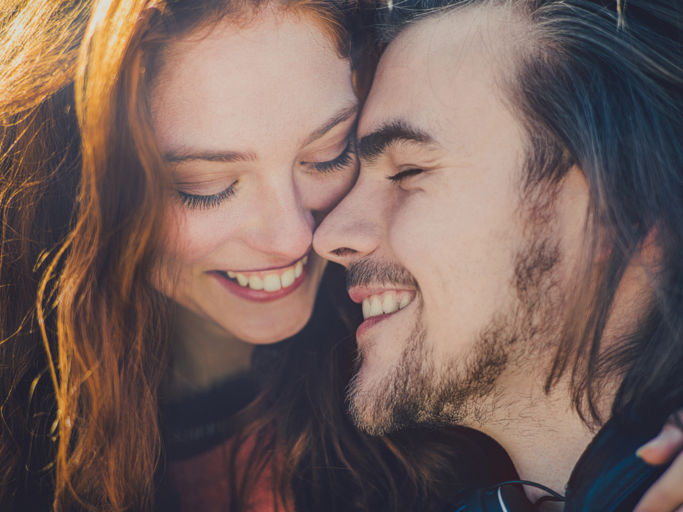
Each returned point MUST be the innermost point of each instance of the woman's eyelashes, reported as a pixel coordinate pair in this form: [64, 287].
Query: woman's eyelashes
[205, 202]
[198, 202]
[346, 158]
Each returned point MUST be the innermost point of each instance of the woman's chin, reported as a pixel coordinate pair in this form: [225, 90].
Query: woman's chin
[273, 331]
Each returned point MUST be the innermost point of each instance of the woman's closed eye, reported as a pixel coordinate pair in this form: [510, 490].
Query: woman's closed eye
[202, 202]
[345, 158]
[205, 202]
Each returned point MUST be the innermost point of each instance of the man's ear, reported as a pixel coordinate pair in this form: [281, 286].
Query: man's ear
[605, 244]
[651, 252]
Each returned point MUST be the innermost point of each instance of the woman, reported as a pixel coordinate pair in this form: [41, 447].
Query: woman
[164, 165]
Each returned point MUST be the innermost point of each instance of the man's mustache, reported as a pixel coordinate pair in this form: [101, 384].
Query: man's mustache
[368, 273]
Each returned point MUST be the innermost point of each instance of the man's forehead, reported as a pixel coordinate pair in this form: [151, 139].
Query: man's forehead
[436, 64]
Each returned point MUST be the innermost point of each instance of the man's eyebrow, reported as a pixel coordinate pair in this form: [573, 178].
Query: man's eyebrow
[209, 156]
[373, 145]
[340, 117]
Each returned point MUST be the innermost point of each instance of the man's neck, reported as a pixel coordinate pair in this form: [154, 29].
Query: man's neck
[543, 434]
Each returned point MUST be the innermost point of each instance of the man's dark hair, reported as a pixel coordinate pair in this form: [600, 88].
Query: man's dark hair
[599, 85]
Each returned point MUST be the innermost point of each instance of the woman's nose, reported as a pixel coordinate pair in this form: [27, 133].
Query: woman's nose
[283, 227]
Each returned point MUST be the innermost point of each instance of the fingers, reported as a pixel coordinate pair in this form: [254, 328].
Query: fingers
[666, 495]
[667, 444]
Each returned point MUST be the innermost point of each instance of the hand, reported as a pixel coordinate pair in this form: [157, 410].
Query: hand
[666, 494]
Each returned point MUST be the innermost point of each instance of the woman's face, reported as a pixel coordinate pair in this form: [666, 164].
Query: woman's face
[255, 123]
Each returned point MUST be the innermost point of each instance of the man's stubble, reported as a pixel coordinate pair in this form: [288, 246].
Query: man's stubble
[419, 392]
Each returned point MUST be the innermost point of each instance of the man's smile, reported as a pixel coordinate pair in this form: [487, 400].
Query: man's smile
[379, 303]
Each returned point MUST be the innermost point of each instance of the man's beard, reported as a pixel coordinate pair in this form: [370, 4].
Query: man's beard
[418, 391]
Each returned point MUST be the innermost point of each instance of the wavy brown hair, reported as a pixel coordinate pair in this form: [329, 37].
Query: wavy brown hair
[85, 335]
[79, 189]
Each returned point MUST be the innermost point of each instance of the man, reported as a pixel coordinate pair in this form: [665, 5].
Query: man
[516, 230]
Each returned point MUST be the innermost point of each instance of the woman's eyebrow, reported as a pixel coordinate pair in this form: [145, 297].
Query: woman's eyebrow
[338, 118]
[209, 156]
[185, 155]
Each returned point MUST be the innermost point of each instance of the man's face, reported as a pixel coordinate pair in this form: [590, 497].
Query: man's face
[437, 225]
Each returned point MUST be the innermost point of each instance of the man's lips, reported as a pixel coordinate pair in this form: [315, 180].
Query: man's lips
[381, 300]
[380, 307]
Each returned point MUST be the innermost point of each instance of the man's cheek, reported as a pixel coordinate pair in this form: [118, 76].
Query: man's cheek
[441, 326]
[412, 241]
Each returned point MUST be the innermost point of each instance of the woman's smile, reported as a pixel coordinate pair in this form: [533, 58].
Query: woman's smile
[264, 285]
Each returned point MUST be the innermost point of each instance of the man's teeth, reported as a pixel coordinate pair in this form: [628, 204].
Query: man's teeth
[390, 302]
[283, 278]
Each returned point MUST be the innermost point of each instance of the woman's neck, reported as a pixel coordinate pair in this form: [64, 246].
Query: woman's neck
[203, 355]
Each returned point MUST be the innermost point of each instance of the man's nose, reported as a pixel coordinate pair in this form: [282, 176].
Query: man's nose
[352, 229]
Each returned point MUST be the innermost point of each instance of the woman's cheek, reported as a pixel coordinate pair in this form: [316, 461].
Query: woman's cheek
[323, 193]
[193, 235]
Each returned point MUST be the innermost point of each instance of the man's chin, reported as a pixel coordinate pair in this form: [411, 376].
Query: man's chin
[415, 391]
[380, 405]
[381, 411]
[386, 394]
[370, 411]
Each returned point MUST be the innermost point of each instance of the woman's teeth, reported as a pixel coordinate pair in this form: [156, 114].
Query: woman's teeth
[282, 278]
[384, 304]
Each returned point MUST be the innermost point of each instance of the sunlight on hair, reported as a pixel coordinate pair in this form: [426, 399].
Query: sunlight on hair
[621, 19]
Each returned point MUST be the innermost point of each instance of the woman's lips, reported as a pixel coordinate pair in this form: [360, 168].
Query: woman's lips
[264, 286]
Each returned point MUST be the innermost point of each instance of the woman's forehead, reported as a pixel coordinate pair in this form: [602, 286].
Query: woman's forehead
[240, 82]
